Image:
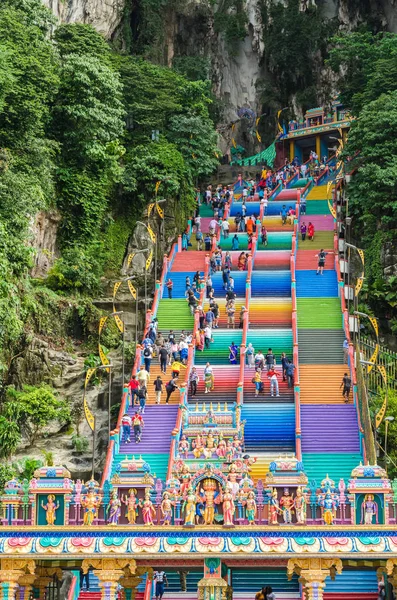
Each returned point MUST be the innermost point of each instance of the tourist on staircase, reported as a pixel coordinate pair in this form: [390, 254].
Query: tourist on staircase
[193, 381]
[290, 374]
[176, 368]
[147, 357]
[310, 231]
[158, 388]
[270, 359]
[169, 285]
[272, 375]
[235, 242]
[138, 424]
[284, 364]
[266, 593]
[346, 384]
[322, 255]
[233, 353]
[143, 377]
[257, 381]
[133, 386]
[241, 262]
[163, 358]
[259, 360]
[231, 312]
[171, 386]
[207, 336]
[303, 229]
[126, 428]
[250, 354]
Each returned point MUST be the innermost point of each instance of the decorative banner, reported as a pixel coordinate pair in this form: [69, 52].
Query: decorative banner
[160, 211]
[152, 234]
[374, 323]
[129, 259]
[373, 358]
[102, 322]
[258, 137]
[278, 121]
[158, 183]
[88, 414]
[119, 324]
[331, 209]
[233, 140]
[361, 253]
[132, 289]
[115, 289]
[381, 413]
[149, 209]
[149, 260]
[103, 357]
[329, 188]
[359, 285]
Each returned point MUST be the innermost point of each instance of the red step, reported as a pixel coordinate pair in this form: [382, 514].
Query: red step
[306, 259]
[90, 595]
[350, 596]
[187, 262]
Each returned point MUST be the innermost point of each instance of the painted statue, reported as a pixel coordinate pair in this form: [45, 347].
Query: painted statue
[329, 505]
[50, 509]
[189, 507]
[90, 502]
[186, 477]
[369, 510]
[300, 507]
[148, 510]
[228, 507]
[209, 494]
[197, 446]
[184, 446]
[209, 446]
[114, 509]
[166, 509]
[221, 449]
[287, 505]
[250, 508]
[237, 444]
[132, 504]
[232, 478]
[274, 508]
[230, 451]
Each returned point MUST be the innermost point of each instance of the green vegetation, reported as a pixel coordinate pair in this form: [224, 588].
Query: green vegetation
[368, 78]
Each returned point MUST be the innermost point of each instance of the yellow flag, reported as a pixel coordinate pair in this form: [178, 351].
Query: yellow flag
[119, 323]
[158, 183]
[382, 411]
[103, 357]
[374, 323]
[362, 256]
[258, 137]
[149, 209]
[373, 358]
[331, 209]
[329, 188]
[278, 121]
[382, 371]
[359, 285]
[102, 322]
[88, 414]
[160, 211]
[129, 259]
[116, 288]
[149, 260]
[152, 234]
[132, 289]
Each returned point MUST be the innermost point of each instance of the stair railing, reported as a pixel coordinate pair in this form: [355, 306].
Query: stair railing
[294, 250]
[243, 347]
[74, 589]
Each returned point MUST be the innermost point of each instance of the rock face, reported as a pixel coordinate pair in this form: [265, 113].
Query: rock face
[104, 15]
[44, 240]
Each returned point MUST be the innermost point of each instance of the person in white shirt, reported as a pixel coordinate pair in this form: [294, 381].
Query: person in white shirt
[159, 577]
[225, 228]
[207, 336]
[207, 368]
[245, 193]
[213, 226]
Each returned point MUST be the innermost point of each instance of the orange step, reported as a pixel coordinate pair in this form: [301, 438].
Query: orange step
[154, 371]
[319, 384]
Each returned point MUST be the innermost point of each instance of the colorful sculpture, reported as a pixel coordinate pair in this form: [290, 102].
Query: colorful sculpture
[209, 494]
[184, 446]
[369, 510]
[329, 503]
[228, 507]
[274, 508]
[132, 504]
[221, 449]
[51, 509]
[114, 509]
[189, 507]
[90, 502]
[210, 445]
[232, 478]
[148, 510]
[300, 507]
[166, 509]
[287, 505]
[197, 446]
[250, 508]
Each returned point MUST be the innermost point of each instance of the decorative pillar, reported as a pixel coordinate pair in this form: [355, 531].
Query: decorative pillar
[44, 577]
[391, 570]
[291, 150]
[25, 586]
[11, 572]
[109, 571]
[131, 580]
[313, 573]
[212, 586]
[318, 146]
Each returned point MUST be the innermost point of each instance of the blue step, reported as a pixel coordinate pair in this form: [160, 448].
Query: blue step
[360, 582]
[271, 284]
[269, 426]
[311, 285]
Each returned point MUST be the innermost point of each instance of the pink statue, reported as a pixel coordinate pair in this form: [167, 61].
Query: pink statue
[221, 449]
[183, 446]
[228, 507]
[148, 510]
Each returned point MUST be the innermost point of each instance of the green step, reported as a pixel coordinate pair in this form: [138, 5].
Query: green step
[319, 313]
[218, 352]
[322, 239]
[279, 340]
[157, 462]
[276, 240]
[174, 314]
[317, 207]
[336, 466]
[300, 183]
[206, 211]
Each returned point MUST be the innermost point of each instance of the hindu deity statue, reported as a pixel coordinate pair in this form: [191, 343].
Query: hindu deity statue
[210, 495]
[300, 507]
[114, 509]
[274, 508]
[221, 449]
[189, 507]
[369, 510]
[148, 510]
[210, 445]
[186, 477]
[50, 509]
[287, 505]
[183, 446]
[90, 502]
[237, 445]
[132, 505]
[329, 504]
[166, 509]
[230, 451]
[198, 446]
[228, 507]
[232, 478]
[250, 508]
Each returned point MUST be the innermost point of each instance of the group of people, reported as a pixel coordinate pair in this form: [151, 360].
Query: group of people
[261, 362]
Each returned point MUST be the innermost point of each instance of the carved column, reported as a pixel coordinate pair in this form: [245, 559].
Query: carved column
[212, 586]
[313, 573]
[130, 581]
[11, 572]
[109, 572]
[391, 570]
[44, 577]
[25, 586]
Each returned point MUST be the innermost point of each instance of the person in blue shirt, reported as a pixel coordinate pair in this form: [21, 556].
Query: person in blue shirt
[284, 213]
[235, 243]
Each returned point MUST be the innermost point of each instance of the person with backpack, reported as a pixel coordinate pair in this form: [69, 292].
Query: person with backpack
[270, 359]
[199, 239]
[142, 395]
[126, 428]
[290, 374]
[137, 423]
[169, 285]
[158, 388]
[170, 388]
[346, 384]
[147, 357]
[321, 261]
[207, 242]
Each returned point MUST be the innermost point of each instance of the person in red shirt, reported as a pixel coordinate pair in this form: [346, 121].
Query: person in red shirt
[133, 386]
[310, 231]
[169, 284]
[138, 423]
[273, 376]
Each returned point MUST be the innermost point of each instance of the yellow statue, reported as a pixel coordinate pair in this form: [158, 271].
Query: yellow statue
[209, 493]
[189, 506]
[50, 509]
[90, 502]
[131, 503]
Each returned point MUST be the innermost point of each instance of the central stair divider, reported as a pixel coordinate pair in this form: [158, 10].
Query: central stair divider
[298, 429]
[240, 387]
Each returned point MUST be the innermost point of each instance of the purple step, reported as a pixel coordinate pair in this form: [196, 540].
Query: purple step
[156, 435]
[329, 428]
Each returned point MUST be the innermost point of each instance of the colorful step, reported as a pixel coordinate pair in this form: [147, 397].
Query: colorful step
[320, 384]
[174, 314]
[319, 313]
[336, 465]
[270, 312]
[321, 346]
[329, 428]
[269, 426]
[309, 284]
